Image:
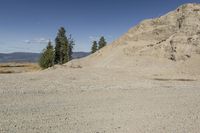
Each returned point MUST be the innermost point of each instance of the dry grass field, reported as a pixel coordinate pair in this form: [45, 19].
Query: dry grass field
[7, 68]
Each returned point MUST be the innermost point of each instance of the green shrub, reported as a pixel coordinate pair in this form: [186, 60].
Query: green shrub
[47, 57]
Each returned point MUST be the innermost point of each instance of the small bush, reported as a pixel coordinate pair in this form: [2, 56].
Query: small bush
[196, 10]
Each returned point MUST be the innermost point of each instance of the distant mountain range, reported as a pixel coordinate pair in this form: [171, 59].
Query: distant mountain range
[31, 57]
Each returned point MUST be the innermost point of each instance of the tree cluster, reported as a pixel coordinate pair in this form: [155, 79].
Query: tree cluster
[96, 46]
[62, 52]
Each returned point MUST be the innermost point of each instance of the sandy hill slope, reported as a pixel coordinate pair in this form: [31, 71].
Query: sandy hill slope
[172, 40]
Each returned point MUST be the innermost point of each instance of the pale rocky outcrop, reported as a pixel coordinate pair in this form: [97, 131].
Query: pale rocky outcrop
[174, 36]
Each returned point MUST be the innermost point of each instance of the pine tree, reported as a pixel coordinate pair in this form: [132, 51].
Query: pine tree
[94, 47]
[62, 47]
[102, 42]
[71, 46]
[47, 57]
[57, 51]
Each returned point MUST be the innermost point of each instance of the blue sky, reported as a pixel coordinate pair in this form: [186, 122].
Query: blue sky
[27, 25]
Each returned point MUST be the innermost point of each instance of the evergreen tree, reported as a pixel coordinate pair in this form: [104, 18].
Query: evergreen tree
[94, 47]
[71, 46]
[57, 51]
[102, 42]
[47, 57]
[62, 47]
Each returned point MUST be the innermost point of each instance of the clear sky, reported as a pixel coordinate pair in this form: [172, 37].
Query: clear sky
[27, 25]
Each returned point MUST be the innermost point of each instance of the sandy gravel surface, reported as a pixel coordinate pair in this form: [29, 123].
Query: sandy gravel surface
[97, 100]
[147, 81]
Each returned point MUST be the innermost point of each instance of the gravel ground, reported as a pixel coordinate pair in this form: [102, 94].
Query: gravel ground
[97, 100]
